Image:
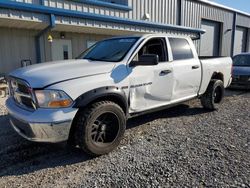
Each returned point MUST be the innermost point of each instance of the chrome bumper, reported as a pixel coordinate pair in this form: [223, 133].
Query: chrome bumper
[41, 125]
[42, 132]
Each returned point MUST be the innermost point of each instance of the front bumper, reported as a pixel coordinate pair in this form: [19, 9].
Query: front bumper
[41, 125]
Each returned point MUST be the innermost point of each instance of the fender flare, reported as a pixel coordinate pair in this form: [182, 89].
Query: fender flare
[102, 92]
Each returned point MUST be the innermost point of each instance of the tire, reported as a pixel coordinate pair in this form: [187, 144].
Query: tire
[213, 97]
[100, 127]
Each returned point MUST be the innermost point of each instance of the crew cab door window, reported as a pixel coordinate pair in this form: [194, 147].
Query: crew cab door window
[151, 85]
[180, 49]
[156, 46]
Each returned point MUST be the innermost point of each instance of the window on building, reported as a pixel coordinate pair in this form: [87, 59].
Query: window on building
[65, 52]
[180, 49]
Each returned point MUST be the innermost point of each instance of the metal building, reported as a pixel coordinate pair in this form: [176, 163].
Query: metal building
[27, 27]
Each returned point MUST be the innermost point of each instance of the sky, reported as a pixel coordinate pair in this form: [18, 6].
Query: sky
[243, 5]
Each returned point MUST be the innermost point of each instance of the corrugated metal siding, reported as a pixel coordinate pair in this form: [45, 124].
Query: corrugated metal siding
[23, 15]
[117, 27]
[15, 45]
[77, 6]
[193, 12]
[160, 11]
[243, 21]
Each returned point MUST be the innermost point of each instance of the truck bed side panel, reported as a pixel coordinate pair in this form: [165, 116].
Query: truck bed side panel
[210, 66]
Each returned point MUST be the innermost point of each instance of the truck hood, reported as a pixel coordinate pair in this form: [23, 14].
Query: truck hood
[44, 74]
[237, 70]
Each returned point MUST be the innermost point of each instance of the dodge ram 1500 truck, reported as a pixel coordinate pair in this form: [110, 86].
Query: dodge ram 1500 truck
[88, 100]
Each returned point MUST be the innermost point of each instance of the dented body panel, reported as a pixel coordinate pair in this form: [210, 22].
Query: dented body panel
[215, 65]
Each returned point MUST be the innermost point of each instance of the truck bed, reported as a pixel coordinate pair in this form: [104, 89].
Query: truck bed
[211, 65]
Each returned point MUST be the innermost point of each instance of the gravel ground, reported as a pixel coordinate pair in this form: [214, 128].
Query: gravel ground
[181, 146]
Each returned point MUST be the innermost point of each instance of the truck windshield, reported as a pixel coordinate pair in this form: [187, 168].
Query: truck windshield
[241, 60]
[113, 50]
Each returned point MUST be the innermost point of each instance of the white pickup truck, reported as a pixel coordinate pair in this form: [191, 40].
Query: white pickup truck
[88, 100]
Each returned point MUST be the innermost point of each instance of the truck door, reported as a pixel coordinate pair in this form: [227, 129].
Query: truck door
[186, 69]
[151, 85]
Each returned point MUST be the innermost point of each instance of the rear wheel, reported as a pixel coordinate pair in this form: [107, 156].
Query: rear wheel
[213, 96]
[100, 127]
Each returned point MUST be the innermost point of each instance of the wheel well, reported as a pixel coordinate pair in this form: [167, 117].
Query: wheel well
[218, 76]
[112, 98]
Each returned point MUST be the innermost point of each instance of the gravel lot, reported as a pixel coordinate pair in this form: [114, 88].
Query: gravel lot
[181, 146]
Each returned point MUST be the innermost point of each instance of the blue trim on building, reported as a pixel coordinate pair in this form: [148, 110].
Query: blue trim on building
[41, 33]
[105, 4]
[92, 16]
[233, 33]
[52, 20]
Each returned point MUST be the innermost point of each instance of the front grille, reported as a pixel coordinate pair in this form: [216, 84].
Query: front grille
[27, 102]
[22, 93]
[22, 88]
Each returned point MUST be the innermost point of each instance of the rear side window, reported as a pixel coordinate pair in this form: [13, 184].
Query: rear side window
[180, 49]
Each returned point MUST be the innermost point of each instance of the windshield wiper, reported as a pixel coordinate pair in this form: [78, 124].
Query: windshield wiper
[93, 59]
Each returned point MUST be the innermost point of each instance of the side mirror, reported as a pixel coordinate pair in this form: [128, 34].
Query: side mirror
[146, 60]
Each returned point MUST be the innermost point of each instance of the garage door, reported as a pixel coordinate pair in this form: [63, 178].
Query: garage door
[240, 43]
[210, 41]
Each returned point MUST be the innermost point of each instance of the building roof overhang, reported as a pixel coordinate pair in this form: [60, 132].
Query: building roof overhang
[224, 7]
[91, 16]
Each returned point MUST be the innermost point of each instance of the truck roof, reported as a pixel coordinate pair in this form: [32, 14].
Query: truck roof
[151, 35]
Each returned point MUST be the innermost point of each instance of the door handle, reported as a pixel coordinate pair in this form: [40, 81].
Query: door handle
[195, 67]
[164, 72]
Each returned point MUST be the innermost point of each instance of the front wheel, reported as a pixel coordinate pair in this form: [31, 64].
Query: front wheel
[100, 128]
[213, 96]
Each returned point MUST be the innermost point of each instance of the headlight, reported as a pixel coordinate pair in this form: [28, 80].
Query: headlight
[52, 99]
